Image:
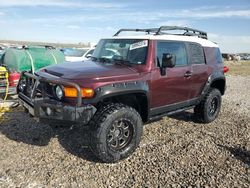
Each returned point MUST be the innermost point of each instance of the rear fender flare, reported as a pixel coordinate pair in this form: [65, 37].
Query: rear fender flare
[215, 76]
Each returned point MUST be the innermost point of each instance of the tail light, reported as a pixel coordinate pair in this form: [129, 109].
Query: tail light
[14, 78]
[225, 69]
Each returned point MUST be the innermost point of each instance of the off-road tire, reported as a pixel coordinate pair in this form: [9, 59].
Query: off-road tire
[100, 127]
[202, 110]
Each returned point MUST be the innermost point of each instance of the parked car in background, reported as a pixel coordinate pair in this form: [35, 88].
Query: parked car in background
[236, 57]
[247, 57]
[77, 54]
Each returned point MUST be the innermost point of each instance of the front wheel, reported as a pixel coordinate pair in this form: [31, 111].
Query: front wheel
[116, 131]
[209, 108]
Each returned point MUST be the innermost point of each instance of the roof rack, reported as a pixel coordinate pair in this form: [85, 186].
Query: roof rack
[148, 31]
[160, 31]
[188, 31]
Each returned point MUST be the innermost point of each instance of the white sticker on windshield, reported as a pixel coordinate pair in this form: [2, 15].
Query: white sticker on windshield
[140, 44]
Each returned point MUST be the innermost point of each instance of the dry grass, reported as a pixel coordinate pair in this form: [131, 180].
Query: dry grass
[3, 110]
[238, 67]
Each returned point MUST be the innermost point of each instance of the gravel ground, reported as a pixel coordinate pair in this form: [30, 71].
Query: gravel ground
[174, 152]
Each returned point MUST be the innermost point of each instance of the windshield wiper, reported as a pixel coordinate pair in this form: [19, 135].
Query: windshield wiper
[104, 60]
[101, 59]
[122, 62]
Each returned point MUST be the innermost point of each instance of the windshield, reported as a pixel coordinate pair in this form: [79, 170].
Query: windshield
[132, 51]
[74, 52]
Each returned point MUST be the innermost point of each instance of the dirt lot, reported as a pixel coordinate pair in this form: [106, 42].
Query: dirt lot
[174, 152]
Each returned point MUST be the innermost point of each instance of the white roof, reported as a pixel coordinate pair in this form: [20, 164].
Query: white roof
[202, 42]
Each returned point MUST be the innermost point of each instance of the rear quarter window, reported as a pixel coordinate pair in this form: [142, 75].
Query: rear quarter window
[218, 56]
[213, 55]
[196, 54]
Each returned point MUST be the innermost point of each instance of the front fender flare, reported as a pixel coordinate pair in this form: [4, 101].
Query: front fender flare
[116, 89]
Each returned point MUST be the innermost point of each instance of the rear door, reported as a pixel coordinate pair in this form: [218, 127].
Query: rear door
[199, 69]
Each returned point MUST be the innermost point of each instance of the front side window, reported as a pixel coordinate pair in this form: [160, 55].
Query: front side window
[133, 51]
[176, 48]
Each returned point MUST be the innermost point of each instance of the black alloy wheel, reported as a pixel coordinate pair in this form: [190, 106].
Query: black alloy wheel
[120, 134]
[209, 108]
[213, 106]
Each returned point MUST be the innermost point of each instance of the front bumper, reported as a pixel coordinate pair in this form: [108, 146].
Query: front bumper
[46, 108]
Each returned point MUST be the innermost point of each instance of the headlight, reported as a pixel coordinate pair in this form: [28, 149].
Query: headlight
[21, 86]
[59, 92]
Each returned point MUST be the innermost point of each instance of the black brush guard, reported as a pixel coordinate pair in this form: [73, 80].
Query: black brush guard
[44, 107]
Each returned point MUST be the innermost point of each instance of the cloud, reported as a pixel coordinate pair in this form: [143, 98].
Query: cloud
[58, 3]
[2, 13]
[103, 5]
[72, 20]
[230, 39]
[214, 14]
[184, 14]
[176, 23]
[191, 13]
[213, 35]
[73, 27]
[231, 44]
[108, 28]
[33, 3]
[180, 17]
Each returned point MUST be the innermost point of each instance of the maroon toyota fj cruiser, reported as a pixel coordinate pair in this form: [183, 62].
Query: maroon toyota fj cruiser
[130, 80]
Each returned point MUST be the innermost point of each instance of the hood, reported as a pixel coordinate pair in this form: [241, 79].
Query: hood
[90, 70]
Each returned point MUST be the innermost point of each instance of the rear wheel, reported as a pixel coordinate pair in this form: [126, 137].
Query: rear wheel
[116, 131]
[209, 108]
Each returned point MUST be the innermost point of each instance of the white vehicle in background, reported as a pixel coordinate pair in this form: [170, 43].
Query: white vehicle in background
[77, 54]
[237, 57]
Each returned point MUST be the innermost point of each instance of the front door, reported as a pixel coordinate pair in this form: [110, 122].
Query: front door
[174, 87]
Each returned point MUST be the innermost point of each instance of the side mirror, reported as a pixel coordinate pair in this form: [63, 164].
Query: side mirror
[168, 60]
[88, 56]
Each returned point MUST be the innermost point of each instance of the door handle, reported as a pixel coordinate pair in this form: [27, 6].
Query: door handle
[188, 74]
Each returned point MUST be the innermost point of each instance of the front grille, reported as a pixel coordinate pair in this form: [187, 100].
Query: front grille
[44, 89]
[47, 88]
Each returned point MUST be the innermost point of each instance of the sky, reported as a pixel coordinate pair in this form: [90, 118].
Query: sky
[227, 22]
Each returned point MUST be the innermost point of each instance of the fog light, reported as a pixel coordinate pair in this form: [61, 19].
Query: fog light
[21, 87]
[59, 92]
[48, 111]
